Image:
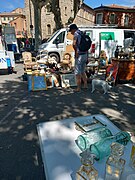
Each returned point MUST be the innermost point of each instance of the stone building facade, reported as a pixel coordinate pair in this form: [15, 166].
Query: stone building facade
[59, 14]
[85, 16]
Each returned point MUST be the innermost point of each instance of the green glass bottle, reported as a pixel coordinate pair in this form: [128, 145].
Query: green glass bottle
[85, 140]
[102, 148]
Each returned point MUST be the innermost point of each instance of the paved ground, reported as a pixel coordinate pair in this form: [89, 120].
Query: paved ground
[20, 112]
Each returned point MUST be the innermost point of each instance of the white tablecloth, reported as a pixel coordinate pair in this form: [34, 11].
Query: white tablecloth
[60, 153]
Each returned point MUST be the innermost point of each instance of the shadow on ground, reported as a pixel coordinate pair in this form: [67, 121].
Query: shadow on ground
[21, 111]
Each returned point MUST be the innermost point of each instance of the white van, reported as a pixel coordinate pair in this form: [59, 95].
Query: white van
[103, 38]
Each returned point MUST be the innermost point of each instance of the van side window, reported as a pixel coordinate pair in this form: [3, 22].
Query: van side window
[60, 38]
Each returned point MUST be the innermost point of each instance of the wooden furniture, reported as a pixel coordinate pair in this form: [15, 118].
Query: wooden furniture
[126, 70]
[29, 61]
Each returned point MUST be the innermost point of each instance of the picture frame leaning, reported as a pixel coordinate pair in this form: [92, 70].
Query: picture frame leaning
[68, 80]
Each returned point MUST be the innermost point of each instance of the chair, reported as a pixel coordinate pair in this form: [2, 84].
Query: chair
[29, 61]
[42, 60]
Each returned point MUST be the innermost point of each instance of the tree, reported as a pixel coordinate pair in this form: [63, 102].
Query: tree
[54, 5]
[38, 4]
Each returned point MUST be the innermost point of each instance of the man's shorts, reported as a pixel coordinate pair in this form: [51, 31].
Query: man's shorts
[80, 64]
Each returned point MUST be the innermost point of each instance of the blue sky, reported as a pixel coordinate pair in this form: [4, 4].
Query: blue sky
[94, 3]
[9, 5]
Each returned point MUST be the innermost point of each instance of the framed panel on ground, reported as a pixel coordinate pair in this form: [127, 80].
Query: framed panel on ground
[68, 80]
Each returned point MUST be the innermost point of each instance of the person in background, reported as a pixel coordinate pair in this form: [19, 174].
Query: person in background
[80, 58]
[27, 44]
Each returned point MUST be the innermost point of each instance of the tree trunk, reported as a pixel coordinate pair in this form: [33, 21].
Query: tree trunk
[37, 19]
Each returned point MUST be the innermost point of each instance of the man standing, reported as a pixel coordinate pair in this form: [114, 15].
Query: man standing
[80, 58]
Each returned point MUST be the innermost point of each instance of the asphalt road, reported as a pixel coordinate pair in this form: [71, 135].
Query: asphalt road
[21, 111]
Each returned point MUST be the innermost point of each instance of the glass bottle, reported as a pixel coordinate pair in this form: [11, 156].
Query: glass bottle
[85, 140]
[102, 148]
[87, 171]
[122, 137]
[132, 156]
[115, 164]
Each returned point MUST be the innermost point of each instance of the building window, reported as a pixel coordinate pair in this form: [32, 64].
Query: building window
[126, 20]
[18, 33]
[71, 13]
[65, 11]
[4, 18]
[85, 14]
[48, 29]
[99, 18]
[112, 18]
[48, 8]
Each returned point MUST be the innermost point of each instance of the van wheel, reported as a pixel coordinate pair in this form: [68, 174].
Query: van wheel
[55, 57]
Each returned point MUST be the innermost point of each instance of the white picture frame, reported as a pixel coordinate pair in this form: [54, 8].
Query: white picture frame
[68, 80]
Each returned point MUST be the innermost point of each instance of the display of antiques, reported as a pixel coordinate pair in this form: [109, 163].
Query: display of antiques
[56, 74]
[97, 142]
[125, 58]
[125, 53]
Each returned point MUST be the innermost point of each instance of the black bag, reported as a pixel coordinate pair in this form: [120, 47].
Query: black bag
[85, 42]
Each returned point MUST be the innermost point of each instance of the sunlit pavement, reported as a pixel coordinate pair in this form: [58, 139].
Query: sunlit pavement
[21, 111]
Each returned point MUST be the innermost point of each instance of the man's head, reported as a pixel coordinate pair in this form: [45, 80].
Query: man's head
[73, 28]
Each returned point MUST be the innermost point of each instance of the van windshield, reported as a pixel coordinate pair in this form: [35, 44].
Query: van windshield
[52, 36]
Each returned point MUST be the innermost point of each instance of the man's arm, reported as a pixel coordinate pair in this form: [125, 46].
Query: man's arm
[75, 47]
